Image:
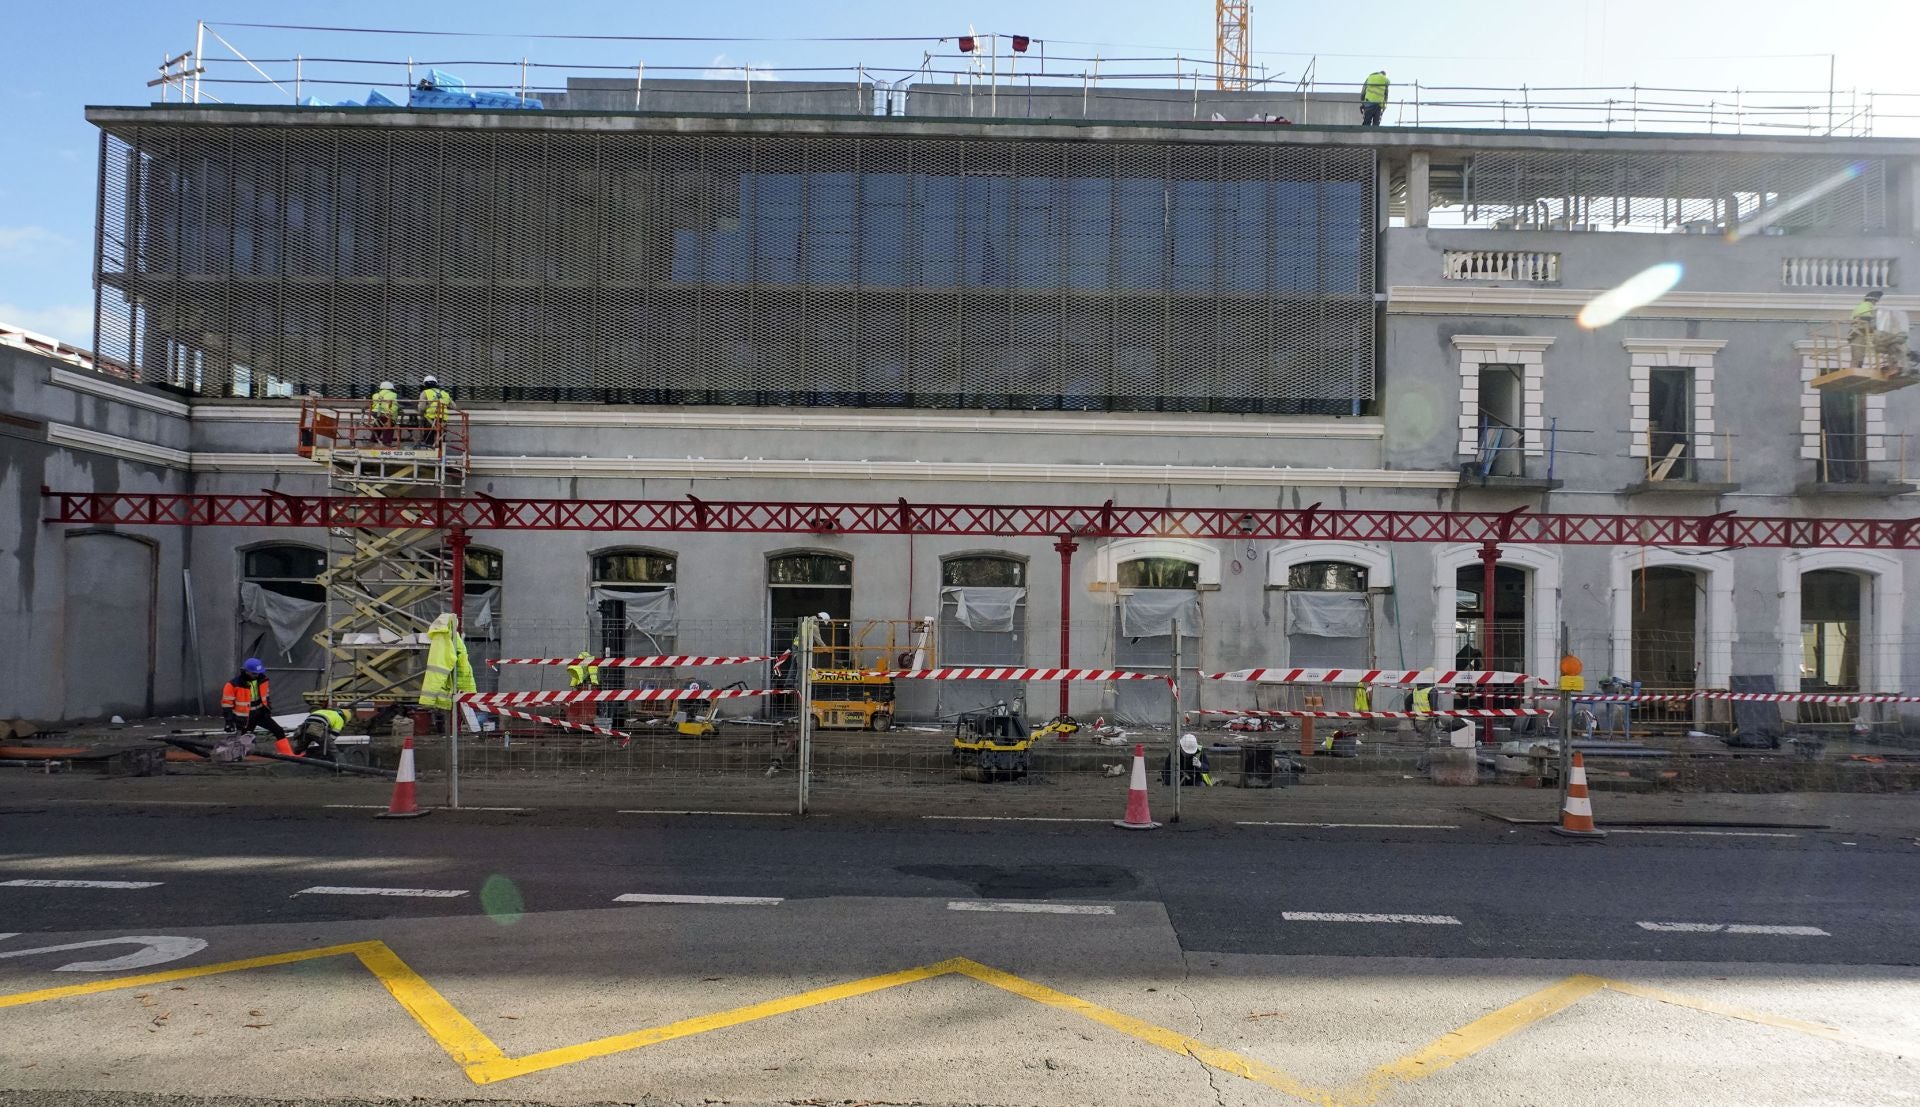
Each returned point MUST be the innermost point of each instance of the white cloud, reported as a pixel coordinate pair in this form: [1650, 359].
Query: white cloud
[723, 68]
[70, 323]
[19, 240]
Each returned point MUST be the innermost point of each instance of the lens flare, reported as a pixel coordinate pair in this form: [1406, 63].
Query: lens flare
[501, 900]
[1767, 217]
[1637, 291]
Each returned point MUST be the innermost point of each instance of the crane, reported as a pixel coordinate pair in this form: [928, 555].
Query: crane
[1230, 44]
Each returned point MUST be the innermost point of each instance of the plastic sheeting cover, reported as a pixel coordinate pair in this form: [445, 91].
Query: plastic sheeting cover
[1327, 614]
[985, 608]
[285, 617]
[651, 612]
[1153, 611]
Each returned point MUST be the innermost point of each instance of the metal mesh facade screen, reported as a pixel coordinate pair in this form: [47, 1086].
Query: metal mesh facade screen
[718, 269]
[1669, 192]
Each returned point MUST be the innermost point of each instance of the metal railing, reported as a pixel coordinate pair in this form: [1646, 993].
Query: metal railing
[1500, 265]
[1680, 456]
[1502, 450]
[1855, 457]
[997, 72]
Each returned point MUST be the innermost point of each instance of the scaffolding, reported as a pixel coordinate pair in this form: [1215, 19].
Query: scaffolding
[386, 579]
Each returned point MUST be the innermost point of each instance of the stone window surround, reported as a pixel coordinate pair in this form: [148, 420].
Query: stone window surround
[1648, 354]
[1526, 351]
[1810, 351]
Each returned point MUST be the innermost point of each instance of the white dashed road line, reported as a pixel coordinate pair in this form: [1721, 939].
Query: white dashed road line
[1030, 908]
[1360, 826]
[1705, 833]
[417, 893]
[1010, 819]
[1735, 928]
[1349, 917]
[121, 884]
[735, 901]
[755, 814]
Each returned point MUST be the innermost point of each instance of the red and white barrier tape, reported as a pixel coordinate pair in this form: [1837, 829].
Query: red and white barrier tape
[1463, 713]
[664, 662]
[1753, 697]
[1376, 676]
[564, 724]
[489, 700]
[1019, 674]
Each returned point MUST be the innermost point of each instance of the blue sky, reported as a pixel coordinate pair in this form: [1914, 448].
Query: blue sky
[103, 53]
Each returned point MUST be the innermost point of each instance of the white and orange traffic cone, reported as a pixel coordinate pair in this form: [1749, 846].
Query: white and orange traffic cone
[1576, 818]
[1137, 815]
[403, 805]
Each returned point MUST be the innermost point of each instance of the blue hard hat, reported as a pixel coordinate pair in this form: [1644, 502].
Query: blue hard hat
[255, 666]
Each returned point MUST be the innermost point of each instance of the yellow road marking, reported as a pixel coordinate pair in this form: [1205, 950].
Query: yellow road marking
[1172, 1040]
[484, 1062]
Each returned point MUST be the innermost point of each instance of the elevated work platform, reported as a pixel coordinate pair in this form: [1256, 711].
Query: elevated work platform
[1861, 360]
[384, 585]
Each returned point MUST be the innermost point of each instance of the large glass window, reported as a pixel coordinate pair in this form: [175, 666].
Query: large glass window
[1159, 572]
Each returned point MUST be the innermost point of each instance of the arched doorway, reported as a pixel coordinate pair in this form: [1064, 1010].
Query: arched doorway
[110, 625]
[983, 621]
[280, 617]
[1158, 595]
[631, 612]
[802, 584]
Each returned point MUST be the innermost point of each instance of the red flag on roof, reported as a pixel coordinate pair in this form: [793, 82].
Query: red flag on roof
[1020, 43]
[966, 44]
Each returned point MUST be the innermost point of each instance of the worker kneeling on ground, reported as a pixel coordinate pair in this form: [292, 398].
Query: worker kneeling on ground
[244, 702]
[317, 732]
[1194, 769]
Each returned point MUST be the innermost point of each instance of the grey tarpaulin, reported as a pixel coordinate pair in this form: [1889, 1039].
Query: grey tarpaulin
[1327, 614]
[985, 608]
[285, 617]
[1152, 611]
[480, 605]
[650, 612]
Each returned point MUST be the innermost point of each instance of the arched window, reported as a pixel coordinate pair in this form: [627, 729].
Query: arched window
[802, 584]
[631, 610]
[280, 609]
[484, 612]
[1159, 572]
[1326, 576]
[1329, 615]
[983, 610]
[632, 597]
[1831, 614]
[287, 569]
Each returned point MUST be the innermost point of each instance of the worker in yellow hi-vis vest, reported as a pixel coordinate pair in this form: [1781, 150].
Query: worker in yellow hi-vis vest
[383, 413]
[435, 403]
[1373, 98]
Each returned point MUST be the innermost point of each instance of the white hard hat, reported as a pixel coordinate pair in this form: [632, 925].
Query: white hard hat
[824, 617]
[430, 379]
[386, 384]
[1189, 744]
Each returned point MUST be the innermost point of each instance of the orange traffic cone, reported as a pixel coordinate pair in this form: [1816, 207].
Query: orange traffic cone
[1137, 816]
[403, 805]
[283, 747]
[1576, 818]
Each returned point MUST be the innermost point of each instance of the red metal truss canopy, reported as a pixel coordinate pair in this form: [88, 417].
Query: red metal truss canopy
[1107, 520]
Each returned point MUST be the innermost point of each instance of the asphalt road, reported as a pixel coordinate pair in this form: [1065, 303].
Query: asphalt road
[1323, 952]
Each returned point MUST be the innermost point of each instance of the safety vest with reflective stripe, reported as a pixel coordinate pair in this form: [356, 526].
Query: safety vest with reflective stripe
[384, 403]
[1422, 699]
[579, 673]
[434, 403]
[1375, 90]
[1864, 310]
[336, 721]
[1362, 699]
[243, 696]
[448, 669]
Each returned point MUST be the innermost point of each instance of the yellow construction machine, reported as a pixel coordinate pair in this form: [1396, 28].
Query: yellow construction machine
[851, 688]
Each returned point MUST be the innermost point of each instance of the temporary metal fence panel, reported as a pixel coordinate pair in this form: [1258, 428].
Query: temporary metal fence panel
[871, 269]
